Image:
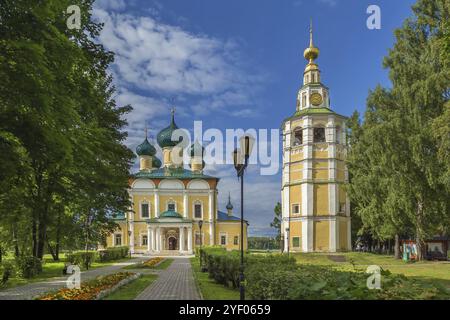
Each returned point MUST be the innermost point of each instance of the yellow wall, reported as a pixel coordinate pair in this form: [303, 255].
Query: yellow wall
[320, 170]
[295, 196]
[320, 154]
[298, 156]
[321, 199]
[205, 204]
[231, 229]
[321, 235]
[343, 234]
[295, 230]
[137, 199]
[296, 171]
[163, 199]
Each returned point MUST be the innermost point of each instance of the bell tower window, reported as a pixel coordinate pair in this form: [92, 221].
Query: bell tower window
[319, 135]
[298, 137]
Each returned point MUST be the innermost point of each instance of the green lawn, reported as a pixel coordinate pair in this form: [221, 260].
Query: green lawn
[427, 271]
[209, 289]
[132, 289]
[51, 269]
[161, 266]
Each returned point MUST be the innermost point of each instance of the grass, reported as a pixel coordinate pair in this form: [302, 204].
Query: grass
[52, 269]
[209, 288]
[131, 290]
[160, 266]
[427, 271]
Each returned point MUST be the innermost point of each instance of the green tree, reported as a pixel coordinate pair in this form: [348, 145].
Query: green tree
[398, 183]
[276, 223]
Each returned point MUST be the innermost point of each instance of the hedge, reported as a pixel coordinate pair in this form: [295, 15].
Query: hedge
[6, 271]
[277, 277]
[82, 258]
[111, 254]
[28, 266]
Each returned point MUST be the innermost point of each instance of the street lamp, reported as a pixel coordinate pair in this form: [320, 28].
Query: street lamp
[240, 159]
[200, 225]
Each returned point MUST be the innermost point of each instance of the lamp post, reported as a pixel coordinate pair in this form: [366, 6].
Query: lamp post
[240, 159]
[200, 225]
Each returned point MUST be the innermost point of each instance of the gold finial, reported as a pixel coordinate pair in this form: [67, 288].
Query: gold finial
[311, 53]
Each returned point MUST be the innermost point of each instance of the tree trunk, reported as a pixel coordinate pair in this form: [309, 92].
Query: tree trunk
[58, 234]
[419, 236]
[50, 249]
[16, 242]
[397, 247]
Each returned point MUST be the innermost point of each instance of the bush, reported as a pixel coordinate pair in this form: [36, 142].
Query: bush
[82, 258]
[29, 266]
[6, 271]
[112, 254]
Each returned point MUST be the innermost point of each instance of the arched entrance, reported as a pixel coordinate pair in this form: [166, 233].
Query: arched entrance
[172, 243]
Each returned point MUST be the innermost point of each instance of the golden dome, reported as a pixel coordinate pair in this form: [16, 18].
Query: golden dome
[311, 53]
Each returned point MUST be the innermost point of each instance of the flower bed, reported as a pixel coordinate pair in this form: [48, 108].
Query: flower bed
[152, 262]
[93, 289]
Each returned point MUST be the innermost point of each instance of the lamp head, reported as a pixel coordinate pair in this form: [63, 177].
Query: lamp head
[247, 143]
[200, 224]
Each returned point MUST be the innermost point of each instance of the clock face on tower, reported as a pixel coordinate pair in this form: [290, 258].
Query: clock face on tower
[316, 99]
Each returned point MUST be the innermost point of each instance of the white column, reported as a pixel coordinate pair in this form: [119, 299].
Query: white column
[190, 240]
[211, 224]
[333, 240]
[152, 239]
[158, 239]
[156, 204]
[185, 204]
[149, 239]
[286, 239]
[131, 236]
[181, 245]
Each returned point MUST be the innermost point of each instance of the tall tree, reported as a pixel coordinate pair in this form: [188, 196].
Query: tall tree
[276, 223]
[400, 155]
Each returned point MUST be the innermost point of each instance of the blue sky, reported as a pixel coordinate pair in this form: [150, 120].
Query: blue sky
[239, 64]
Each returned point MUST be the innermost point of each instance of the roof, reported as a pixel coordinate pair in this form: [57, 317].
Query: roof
[315, 111]
[166, 173]
[222, 216]
[170, 214]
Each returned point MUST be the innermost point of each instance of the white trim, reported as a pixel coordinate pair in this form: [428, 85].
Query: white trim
[121, 239]
[171, 201]
[299, 209]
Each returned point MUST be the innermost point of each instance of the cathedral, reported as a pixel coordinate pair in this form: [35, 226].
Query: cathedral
[315, 207]
[174, 210]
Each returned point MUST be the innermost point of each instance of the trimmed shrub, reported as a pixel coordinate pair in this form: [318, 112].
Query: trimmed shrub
[29, 266]
[82, 258]
[112, 254]
[6, 271]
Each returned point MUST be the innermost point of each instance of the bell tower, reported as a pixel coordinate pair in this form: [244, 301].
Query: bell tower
[315, 206]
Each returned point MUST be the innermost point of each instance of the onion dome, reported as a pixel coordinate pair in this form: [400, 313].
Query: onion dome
[170, 214]
[145, 149]
[197, 149]
[229, 205]
[311, 53]
[164, 137]
[156, 163]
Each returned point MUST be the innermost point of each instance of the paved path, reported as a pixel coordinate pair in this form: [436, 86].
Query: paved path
[175, 283]
[29, 291]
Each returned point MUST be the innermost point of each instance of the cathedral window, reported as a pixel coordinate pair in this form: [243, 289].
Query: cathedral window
[319, 135]
[118, 239]
[342, 208]
[171, 206]
[298, 137]
[236, 240]
[304, 100]
[144, 240]
[198, 210]
[145, 210]
[223, 239]
[338, 135]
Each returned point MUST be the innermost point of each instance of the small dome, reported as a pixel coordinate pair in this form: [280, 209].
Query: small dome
[156, 163]
[164, 137]
[196, 149]
[229, 205]
[170, 214]
[145, 149]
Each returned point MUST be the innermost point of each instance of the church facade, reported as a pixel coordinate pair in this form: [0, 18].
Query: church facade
[174, 210]
[315, 206]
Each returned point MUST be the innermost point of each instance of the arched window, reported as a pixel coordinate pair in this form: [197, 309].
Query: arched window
[338, 135]
[298, 137]
[304, 100]
[198, 210]
[319, 135]
[145, 210]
